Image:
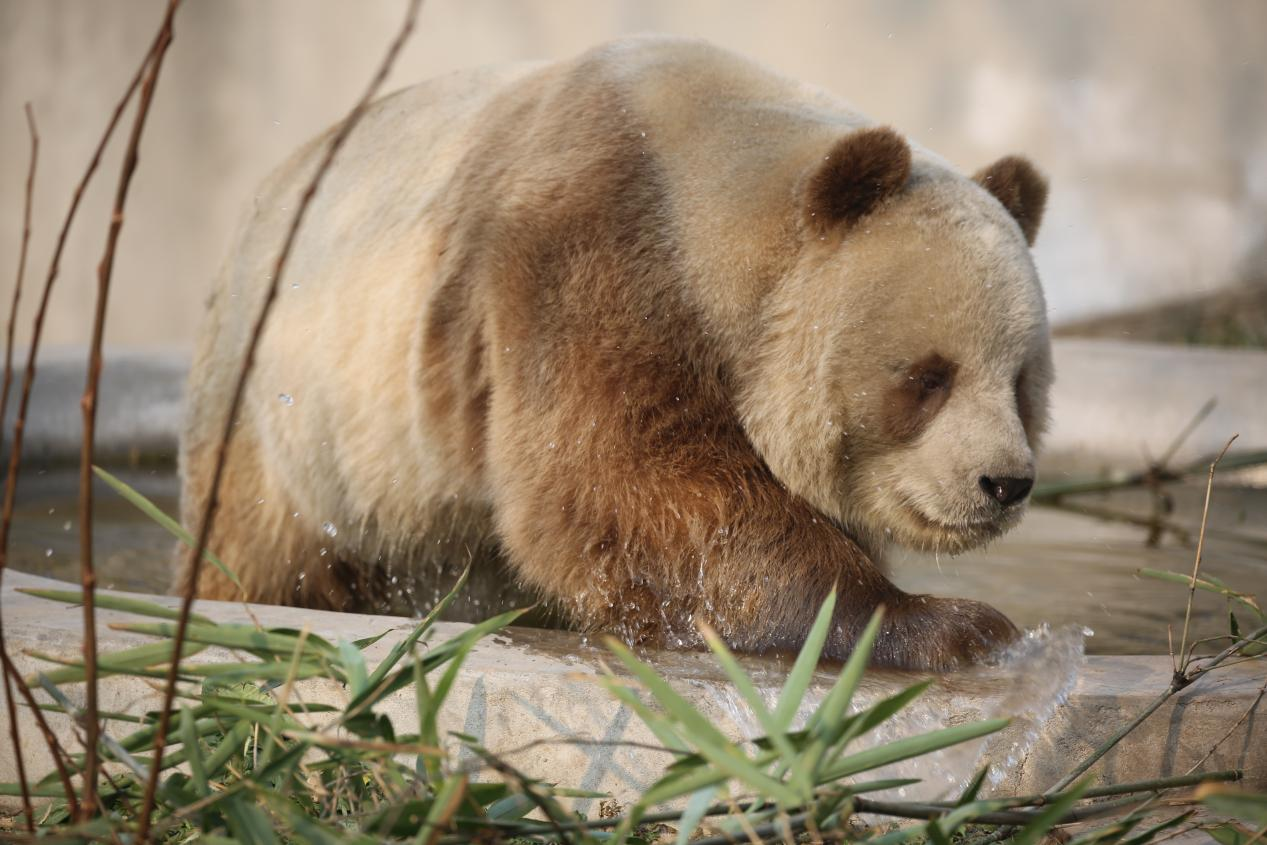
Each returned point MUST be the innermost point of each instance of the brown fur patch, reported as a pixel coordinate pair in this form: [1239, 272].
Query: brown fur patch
[862, 170]
[1021, 189]
[912, 403]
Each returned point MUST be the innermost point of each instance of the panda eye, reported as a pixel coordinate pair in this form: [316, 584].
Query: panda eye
[932, 382]
[919, 394]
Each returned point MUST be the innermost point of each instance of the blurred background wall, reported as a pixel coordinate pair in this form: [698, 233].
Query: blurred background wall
[1150, 116]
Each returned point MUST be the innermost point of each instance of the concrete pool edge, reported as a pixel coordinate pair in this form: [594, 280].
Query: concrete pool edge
[536, 690]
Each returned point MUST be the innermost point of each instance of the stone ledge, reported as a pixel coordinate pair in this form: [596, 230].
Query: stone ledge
[534, 690]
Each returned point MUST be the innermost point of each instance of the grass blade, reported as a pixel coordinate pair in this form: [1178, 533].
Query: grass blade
[915, 746]
[803, 669]
[406, 645]
[106, 601]
[354, 671]
[155, 513]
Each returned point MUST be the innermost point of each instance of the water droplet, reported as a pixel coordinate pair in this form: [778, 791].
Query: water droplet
[329, 528]
[66, 525]
[286, 399]
[48, 553]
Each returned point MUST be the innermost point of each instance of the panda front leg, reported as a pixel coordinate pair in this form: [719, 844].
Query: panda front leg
[648, 538]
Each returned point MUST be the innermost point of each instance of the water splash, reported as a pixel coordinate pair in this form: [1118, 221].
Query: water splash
[1026, 684]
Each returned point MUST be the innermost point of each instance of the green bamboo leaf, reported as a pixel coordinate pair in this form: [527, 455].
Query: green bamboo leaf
[833, 708]
[123, 662]
[751, 697]
[231, 746]
[366, 642]
[877, 714]
[678, 783]
[173, 527]
[354, 671]
[441, 692]
[309, 830]
[447, 799]
[511, 807]
[237, 636]
[696, 807]
[193, 753]
[828, 724]
[427, 733]
[877, 785]
[266, 670]
[110, 601]
[898, 837]
[803, 669]
[120, 753]
[904, 749]
[663, 730]
[695, 726]
[1230, 833]
[398, 819]
[1252, 807]
[1050, 815]
[434, 657]
[406, 645]
[973, 788]
[248, 823]
[1208, 584]
[53, 790]
[1149, 834]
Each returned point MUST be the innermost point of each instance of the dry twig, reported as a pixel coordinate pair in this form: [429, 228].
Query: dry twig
[37, 330]
[60, 757]
[248, 363]
[1196, 563]
[11, 678]
[88, 404]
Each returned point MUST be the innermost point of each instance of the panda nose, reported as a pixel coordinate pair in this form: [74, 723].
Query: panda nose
[1006, 491]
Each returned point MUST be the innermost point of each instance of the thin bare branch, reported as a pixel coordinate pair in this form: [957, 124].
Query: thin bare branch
[248, 363]
[41, 311]
[11, 680]
[1253, 705]
[88, 404]
[59, 755]
[1196, 563]
[22, 253]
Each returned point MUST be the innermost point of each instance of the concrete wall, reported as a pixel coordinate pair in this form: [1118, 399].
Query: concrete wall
[1146, 113]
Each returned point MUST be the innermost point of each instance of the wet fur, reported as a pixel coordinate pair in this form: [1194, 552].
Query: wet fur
[580, 339]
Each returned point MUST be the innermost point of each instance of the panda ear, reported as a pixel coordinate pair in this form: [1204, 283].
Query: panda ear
[862, 170]
[1021, 189]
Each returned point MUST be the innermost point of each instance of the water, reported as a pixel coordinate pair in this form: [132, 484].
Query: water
[1057, 568]
[1025, 685]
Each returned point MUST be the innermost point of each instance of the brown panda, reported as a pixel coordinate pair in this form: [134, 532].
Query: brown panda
[683, 340]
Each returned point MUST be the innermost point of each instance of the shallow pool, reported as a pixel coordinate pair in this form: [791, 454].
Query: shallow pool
[1057, 567]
